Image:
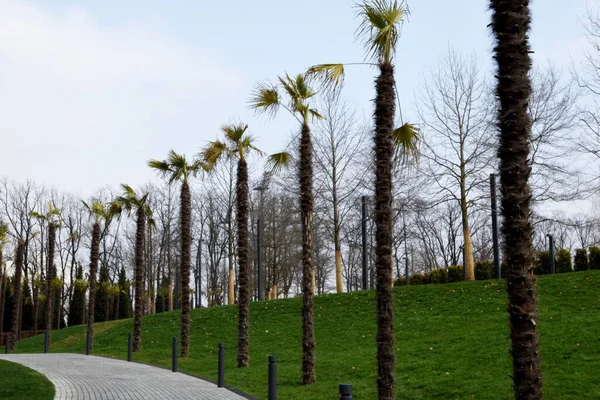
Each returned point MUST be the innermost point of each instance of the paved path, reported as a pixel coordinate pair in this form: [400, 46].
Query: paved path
[77, 376]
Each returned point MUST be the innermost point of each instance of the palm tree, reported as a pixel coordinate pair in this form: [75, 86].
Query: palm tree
[99, 211]
[129, 201]
[266, 98]
[16, 316]
[237, 145]
[511, 20]
[52, 217]
[176, 168]
[380, 20]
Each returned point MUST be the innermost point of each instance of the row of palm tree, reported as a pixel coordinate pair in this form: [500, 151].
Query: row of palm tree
[380, 30]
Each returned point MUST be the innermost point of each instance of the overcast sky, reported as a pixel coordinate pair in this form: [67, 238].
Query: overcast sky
[91, 89]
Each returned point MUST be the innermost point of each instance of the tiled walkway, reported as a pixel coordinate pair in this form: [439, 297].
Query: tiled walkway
[77, 376]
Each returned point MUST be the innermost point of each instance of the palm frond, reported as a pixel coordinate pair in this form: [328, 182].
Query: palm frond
[234, 132]
[116, 208]
[406, 143]
[302, 88]
[37, 215]
[128, 190]
[265, 99]
[177, 161]
[161, 167]
[278, 161]
[289, 86]
[213, 152]
[330, 75]
[379, 27]
[315, 114]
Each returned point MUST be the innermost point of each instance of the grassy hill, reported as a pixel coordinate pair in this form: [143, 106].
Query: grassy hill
[452, 341]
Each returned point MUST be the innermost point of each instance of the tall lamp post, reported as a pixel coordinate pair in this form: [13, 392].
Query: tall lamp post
[405, 248]
[497, 273]
[551, 248]
[199, 273]
[260, 189]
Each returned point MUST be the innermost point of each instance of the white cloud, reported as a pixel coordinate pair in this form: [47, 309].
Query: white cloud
[89, 104]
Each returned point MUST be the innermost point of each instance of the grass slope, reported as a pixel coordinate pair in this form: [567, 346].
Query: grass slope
[18, 382]
[452, 341]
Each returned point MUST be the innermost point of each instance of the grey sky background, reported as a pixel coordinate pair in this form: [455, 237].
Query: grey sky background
[90, 89]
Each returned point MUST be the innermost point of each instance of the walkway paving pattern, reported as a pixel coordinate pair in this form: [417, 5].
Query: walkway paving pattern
[78, 376]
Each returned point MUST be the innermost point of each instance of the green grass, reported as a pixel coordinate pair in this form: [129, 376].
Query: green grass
[18, 382]
[452, 341]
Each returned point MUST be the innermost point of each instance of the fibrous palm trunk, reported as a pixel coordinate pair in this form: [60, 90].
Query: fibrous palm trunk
[242, 249]
[384, 150]
[50, 278]
[139, 278]
[16, 317]
[94, 256]
[186, 243]
[510, 24]
[308, 270]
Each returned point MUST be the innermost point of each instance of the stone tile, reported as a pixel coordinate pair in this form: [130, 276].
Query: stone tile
[77, 376]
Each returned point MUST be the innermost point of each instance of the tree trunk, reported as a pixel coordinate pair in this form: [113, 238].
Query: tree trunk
[139, 278]
[2, 291]
[468, 243]
[186, 243]
[16, 317]
[50, 278]
[94, 256]
[384, 150]
[242, 250]
[308, 269]
[510, 24]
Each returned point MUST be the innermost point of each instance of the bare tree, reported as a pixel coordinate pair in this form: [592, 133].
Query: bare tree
[554, 119]
[454, 107]
[338, 141]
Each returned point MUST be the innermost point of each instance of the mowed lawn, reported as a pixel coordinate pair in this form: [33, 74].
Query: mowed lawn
[452, 341]
[18, 382]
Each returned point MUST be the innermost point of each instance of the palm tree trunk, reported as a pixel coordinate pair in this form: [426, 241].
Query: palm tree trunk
[384, 150]
[50, 278]
[94, 256]
[16, 317]
[308, 270]
[186, 243]
[242, 249]
[510, 23]
[139, 278]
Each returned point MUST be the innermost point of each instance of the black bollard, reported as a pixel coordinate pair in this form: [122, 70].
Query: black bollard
[174, 363]
[130, 348]
[6, 340]
[345, 392]
[221, 378]
[46, 342]
[88, 343]
[272, 378]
